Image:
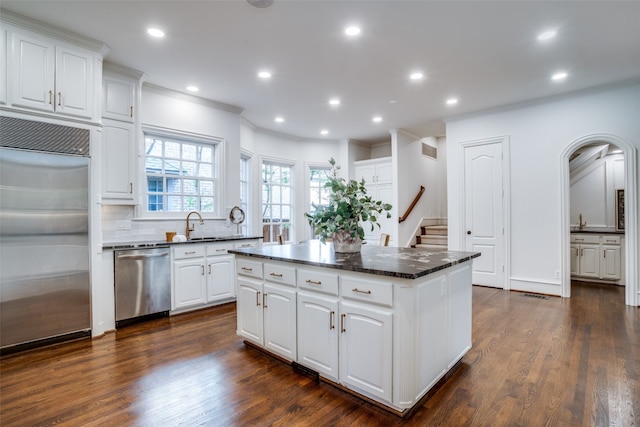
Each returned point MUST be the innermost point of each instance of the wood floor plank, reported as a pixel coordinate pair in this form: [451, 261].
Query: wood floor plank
[534, 362]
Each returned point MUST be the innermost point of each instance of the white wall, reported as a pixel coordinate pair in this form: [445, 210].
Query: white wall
[593, 192]
[538, 133]
[413, 170]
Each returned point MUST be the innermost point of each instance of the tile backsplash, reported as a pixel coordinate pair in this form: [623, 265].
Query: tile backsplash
[119, 225]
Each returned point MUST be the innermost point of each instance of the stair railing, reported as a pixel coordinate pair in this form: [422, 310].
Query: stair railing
[412, 205]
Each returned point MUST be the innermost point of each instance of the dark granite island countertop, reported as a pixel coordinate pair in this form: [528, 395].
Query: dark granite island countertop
[407, 263]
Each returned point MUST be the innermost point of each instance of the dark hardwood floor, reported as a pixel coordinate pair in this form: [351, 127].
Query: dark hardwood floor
[534, 362]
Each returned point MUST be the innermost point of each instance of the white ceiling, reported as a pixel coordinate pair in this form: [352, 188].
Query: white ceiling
[483, 52]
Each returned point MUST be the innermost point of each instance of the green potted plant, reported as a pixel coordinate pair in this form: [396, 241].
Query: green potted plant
[348, 209]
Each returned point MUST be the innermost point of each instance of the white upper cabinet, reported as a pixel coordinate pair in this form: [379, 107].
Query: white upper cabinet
[118, 97]
[376, 171]
[50, 77]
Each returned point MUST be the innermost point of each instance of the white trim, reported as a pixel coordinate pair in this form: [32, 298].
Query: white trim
[631, 214]
[506, 200]
[535, 286]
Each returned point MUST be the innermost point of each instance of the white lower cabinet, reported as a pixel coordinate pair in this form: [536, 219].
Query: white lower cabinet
[596, 256]
[266, 311]
[203, 274]
[366, 345]
[318, 318]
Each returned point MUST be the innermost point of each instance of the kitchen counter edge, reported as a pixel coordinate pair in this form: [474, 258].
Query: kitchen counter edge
[164, 243]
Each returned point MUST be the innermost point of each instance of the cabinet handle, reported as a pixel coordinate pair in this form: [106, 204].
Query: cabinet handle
[604, 253]
[131, 188]
[331, 320]
[579, 240]
[59, 99]
[264, 300]
[50, 97]
[202, 269]
[275, 274]
[246, 245]
[611, 241]
[581, 252]
[131, 112]
[312, 282]
[360, 291]
[220, 250]
[190, 252]
[209, 268]
[246, 269]
[257, 299]
[342, 319]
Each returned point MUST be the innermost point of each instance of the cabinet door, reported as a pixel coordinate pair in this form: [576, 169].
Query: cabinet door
[117, 98]
[366, 172]
[610, 263]
[590, 260]
[189, 283]
[32, 72]
[575, 259]
[318, 333]
[220, 276]
[366, 349]
[118, 156]
[279, 304]
[249, 309]
[384, 173]
[74, 83]
[460, 309]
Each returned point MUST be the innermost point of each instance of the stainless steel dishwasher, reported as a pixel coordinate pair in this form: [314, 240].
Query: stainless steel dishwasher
[142, 284]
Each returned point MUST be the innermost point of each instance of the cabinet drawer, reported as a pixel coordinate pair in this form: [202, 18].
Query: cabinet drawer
[376, 292]
[610, 240]
[279, 273]
[246, 244]
[585, 238]
[218, 248]
[188, 251]
[249, 268]
[318, 281]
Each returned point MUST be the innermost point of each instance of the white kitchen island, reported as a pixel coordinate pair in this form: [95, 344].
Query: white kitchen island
[387, 323]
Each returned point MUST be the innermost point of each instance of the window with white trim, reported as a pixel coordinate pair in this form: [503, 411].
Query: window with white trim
[277, 201]
[181, 174]
[245, 177]
[318, 193]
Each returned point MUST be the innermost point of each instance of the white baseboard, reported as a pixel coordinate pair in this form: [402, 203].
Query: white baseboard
[536, 286]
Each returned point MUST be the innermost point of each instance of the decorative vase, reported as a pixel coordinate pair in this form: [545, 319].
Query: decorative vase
[344, 243]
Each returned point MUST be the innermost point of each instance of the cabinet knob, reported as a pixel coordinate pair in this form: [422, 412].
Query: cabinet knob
[468, 231]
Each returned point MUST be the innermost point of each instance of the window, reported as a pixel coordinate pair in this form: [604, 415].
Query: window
[180, 174]
[318, 194]
[277, 202]
[245, 163]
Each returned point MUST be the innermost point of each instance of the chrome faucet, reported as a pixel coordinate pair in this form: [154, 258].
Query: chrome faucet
[580, 223]
[190, 228]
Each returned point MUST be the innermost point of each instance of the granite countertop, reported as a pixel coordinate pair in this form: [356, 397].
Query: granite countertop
[596, 230]
[157, 243]
[407, 263]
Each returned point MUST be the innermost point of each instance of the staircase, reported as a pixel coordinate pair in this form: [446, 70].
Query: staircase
[432, 238]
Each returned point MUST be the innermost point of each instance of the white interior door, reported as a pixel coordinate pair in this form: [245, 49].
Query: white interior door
[484, 217]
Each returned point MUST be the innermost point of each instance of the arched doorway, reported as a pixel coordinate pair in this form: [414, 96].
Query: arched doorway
[631, 214]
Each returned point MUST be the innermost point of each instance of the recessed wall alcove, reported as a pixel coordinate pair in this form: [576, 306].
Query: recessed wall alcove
[631, 214]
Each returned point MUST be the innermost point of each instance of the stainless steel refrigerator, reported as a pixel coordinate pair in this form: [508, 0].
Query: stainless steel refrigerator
[44, 251]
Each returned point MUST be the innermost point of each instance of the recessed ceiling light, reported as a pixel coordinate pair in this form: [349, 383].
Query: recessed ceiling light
[264, 74]
[155, 32]
[324, 132]
[193, 88]
[334, 101]
[452, 101]
[393, 101]
[561, 75]
[416, 76]
[352, 30]
[547, 35]
[377, 119]
[279, 119]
